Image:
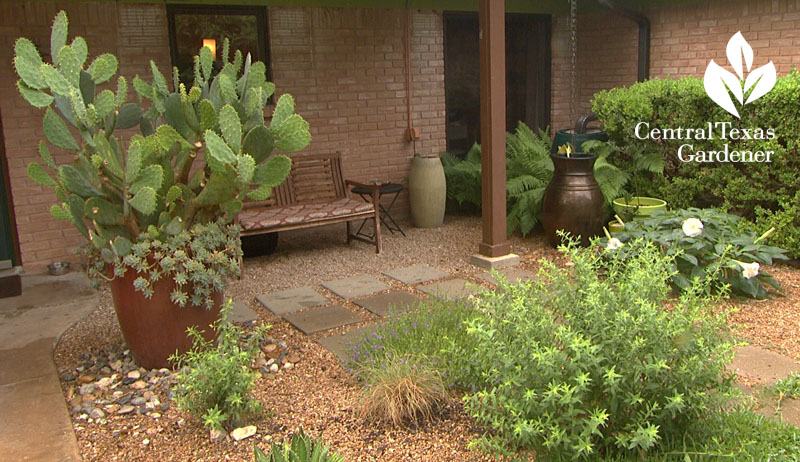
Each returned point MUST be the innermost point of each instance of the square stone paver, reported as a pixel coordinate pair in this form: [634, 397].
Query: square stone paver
[512, 275]
[241, 313]
[416, 274]
[291, 300]
[451, 289]
[388, 303]
[319, 319]
[766, 366]
[356, 286]
[342, 344]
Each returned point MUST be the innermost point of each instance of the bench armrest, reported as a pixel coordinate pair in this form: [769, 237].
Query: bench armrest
[374, 190]
[358, 184]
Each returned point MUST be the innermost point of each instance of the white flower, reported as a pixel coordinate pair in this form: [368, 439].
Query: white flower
[749, 270]
[614, 244]
[692, 227]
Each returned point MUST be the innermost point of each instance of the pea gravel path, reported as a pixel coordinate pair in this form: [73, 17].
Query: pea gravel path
[317, 393]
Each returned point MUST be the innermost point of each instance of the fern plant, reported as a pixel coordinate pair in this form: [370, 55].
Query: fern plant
[301, 449]
[528, 171]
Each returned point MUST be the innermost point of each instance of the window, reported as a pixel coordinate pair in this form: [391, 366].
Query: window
[193, 26]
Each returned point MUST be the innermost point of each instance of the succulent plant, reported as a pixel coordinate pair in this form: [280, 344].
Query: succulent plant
[301, 449]
[198, 155]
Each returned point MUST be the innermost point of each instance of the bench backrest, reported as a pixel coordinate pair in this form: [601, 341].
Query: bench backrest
[314, 178]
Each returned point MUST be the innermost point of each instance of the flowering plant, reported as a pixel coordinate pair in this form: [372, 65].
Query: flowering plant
[706, 243]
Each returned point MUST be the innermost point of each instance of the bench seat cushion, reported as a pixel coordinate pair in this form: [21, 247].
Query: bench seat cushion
[277, 217]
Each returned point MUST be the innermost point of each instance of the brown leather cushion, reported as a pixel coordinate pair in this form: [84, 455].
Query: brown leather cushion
[276, 217]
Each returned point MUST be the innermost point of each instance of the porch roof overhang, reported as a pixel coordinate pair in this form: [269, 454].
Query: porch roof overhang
[511, 6]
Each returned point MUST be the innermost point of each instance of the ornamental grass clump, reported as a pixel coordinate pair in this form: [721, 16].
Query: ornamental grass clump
[402, 391]
[596, 359]
[215, 382]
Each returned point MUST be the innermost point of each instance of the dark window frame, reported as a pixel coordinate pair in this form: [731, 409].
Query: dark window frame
[259, 12]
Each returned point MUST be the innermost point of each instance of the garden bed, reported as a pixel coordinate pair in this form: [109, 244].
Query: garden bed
[317, 393]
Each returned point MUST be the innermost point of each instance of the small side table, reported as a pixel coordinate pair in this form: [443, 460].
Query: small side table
[386, 218]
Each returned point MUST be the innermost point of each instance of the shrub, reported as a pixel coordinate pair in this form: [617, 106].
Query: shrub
[756, 191]
[721, 250]
[402, 391]
[587, 360]
[434, 330]
[301, 449]
[215, 383]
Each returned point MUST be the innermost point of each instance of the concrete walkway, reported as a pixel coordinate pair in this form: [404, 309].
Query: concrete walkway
[36, 425]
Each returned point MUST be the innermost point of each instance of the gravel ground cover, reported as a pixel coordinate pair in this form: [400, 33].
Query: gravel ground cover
[315, 392]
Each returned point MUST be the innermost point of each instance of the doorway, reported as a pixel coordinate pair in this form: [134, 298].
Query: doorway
[9, 243]
[527, 75]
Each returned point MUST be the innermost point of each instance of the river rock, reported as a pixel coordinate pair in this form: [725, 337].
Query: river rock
[241, 433]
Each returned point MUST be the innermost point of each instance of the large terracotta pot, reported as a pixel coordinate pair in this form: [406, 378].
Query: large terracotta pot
[154, 328]
[573, 200]
[427, 192]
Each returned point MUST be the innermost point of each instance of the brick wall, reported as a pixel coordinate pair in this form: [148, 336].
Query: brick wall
[136, 33]
[345, 68]
[684, 37]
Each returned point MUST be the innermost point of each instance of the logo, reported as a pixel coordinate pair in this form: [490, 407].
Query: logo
[720, 83]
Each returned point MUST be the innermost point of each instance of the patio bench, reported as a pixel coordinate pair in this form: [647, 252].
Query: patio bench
[314, 194]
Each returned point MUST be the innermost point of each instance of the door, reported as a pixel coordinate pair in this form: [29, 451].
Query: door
[9, 247]
[527, 75]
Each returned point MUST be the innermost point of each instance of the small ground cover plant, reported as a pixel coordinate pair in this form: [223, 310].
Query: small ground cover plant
[403, 391]
[215, 381]
[300, 449]
[706, 243]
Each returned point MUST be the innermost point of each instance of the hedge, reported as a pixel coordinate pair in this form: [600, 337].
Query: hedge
[765, 193]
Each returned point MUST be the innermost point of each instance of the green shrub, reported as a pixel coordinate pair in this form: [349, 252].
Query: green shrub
[401, 391]
[586, 360]
[432, 332]
[215, 383]
[721, 250]
[301, 449]
[764, 192]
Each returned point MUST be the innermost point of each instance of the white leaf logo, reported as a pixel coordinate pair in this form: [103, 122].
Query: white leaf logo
[720, 83]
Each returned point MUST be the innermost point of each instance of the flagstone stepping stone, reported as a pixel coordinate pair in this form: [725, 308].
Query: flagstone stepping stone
[451, 289]
[764, 365]
[291, 300]
[356, 286]
[241, 313]
[319, 319]
[416, 274]
[388, 303]
[342, 344]
[512, 275]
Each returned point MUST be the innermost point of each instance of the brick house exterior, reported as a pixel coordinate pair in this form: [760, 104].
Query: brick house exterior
[346, 69]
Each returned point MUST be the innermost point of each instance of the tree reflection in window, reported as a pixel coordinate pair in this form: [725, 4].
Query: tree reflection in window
[245, 28]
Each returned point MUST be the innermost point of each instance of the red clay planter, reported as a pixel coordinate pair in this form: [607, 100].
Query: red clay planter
[154, 328]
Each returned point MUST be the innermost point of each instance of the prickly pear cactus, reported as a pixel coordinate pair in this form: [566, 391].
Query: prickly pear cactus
[198, 154]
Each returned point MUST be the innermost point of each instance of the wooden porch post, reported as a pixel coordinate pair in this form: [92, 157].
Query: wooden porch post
[494, 246]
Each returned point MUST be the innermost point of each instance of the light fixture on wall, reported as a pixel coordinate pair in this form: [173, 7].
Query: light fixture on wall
[212, 45]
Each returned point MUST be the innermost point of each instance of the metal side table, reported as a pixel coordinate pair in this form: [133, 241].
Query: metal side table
[386, 218]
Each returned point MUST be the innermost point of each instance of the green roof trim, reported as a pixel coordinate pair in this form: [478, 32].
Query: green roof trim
[512, 6]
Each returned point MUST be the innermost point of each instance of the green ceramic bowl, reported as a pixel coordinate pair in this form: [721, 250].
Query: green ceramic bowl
[615, 227]
[638, 206]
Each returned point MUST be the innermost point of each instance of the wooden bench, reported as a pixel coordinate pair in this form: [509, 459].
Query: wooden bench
[314, 194]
